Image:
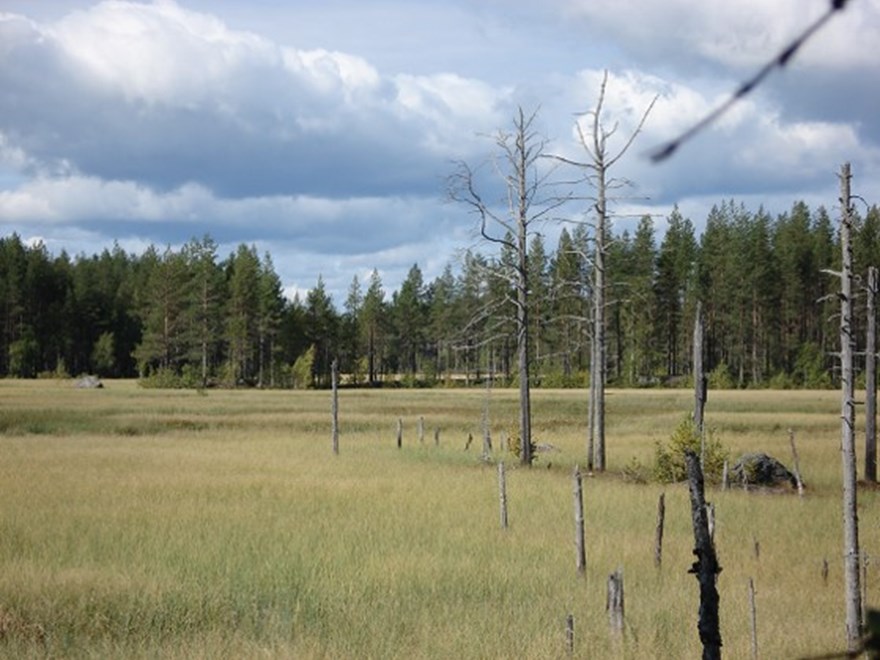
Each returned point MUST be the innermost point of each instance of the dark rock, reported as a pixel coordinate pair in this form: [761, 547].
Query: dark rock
[761, 470]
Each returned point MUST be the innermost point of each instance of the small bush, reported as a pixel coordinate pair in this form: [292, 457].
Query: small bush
[669, 465]
[720, 378]
[302, 369]
[164, 378]
[636, 472]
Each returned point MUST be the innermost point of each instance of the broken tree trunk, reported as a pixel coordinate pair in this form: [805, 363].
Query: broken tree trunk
[706, 567]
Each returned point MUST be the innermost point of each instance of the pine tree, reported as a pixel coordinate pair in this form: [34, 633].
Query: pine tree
[165, 342]
[321, 331]
[270, 309]
[242, 315]
[372, 324]
[208, 294]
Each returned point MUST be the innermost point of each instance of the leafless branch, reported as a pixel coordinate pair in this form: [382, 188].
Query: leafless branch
[665, 151]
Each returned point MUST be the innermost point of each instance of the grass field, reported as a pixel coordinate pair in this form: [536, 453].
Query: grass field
[142, 524]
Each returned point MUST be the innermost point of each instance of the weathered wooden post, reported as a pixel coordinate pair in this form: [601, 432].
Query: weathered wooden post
[334, 404]
[754, 619]
[725, 476]
[706, 567]
[797, 463]
[502, 494]
[658, 535]
[399, 433]
[580, 548]
[569, 633]
[614, 602]
[421, 430]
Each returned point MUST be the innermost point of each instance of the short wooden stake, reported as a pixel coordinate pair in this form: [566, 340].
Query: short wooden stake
[569, 633]
[502, 494]
[797, 467]
[399, 433]
[725, 476]
[334, 404]
[754, 619]
[436, 436]
[421, 430]
[580, 548]
[658, 534]
[865, 561]
[614, 602]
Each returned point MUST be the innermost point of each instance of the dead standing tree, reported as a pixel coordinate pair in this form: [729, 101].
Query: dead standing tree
[529, 200]
[853, 607]
[596, 173]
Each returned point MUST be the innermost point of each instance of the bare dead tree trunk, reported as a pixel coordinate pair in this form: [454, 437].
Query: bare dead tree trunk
[334, 406]
[871, 380]
[706, 567]
[598, 368]
[848, 417]
[528, 202]
[597, 167]
[700, 382]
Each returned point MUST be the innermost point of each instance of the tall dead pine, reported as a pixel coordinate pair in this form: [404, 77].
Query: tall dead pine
[706, 567]
[848, 417]
[594, 137]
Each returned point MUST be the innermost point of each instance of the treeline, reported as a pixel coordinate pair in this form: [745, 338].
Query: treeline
[188, 317]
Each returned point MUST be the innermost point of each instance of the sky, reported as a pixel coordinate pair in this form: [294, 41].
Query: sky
[324, 133]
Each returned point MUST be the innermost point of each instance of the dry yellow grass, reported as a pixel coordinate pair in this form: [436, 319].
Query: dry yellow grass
[142, 523]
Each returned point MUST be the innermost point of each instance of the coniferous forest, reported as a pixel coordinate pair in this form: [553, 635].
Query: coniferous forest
[191, 317]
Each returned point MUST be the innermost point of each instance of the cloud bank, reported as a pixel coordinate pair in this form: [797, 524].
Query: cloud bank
[156, 122]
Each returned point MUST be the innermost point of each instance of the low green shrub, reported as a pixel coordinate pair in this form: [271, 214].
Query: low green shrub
[669, 463]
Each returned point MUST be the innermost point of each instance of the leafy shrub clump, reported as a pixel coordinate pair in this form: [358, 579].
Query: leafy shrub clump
[669, 465]
[636, 472]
